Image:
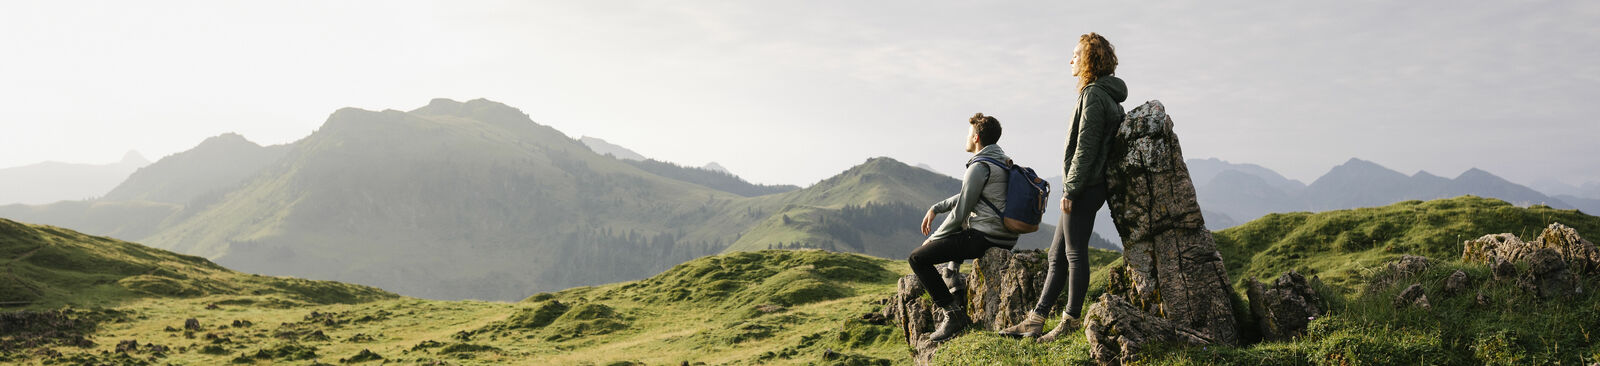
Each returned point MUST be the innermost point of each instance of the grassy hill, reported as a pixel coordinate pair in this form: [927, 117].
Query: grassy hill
[774, 307]
[1347, 249]
[804, 307]
[47, 266]
[1339, 245]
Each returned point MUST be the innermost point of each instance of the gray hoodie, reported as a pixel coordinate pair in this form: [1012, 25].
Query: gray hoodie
[982, 180]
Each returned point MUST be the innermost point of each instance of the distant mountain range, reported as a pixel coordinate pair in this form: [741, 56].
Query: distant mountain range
[1244, 192]
[49, 182]
[460, 200]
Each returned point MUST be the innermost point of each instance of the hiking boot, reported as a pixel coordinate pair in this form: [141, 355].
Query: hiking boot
[1068, 323]
[955, 320]
[1030, 327]
[953, 280]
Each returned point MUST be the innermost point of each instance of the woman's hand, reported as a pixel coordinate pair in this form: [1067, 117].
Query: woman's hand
[1066, 206]
[927, 222]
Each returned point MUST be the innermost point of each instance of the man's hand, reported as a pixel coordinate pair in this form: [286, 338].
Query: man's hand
[1066, 206]
[927, 222]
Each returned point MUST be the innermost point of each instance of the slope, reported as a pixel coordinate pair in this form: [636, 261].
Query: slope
[1337, 245]
[47, 266]
[218, 163]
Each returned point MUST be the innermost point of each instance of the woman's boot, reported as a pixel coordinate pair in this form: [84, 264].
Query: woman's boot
[1030, 327]
[1068, 323]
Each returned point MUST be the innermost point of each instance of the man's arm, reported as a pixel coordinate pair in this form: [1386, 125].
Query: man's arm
[967, 199]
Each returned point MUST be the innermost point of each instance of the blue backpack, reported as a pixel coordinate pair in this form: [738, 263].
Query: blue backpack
[1025, 197]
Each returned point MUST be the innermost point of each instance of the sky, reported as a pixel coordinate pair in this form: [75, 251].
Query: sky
[792, 92]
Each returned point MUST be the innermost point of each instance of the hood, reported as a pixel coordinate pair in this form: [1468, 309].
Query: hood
[1113, 86]
[991, 151]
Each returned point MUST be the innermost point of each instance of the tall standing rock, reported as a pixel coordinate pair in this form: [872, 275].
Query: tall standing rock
[1172, 268]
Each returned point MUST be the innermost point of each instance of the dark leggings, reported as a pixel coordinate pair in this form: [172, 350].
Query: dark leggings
[1072, 261]
[967, 244]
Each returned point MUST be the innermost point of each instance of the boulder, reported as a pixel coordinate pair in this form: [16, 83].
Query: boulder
[1172, 269]
[1117, 330]
[1581, 255]
[1284, 310]
[1548, 275]
[1004, 286]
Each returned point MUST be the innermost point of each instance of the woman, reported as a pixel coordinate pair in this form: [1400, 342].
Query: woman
[1095, 120]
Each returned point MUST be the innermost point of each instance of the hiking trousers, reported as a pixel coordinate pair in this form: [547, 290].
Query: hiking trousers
[967, 244]
[1069, 253]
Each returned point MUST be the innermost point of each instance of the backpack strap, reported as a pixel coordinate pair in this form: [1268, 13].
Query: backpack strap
[997, 163]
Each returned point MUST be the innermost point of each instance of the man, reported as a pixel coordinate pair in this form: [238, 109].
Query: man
[970, 229]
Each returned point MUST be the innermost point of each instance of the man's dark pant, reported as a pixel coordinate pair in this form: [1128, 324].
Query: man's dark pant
[967, 244]
[1072, 261]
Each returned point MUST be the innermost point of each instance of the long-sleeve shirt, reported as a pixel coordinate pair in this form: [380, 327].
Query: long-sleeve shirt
[982, 181]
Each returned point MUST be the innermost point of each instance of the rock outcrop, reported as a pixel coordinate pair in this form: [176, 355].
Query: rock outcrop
[1173, 272]
[913, 312]
[1000, 290]
[1548, 276]
[1555, 260]
[1004, 286]
[1581, 255]
[1283, 310]
[1123, 329]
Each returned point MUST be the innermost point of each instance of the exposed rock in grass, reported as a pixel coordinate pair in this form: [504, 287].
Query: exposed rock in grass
[192, 324]
[363, 356]
[1284, 310]
[1503, 269]
[1457, 283]
[1581, 256]
[1412, 295]
[1117, 330]
[20, 330]
[1548, 276]
[914, 314]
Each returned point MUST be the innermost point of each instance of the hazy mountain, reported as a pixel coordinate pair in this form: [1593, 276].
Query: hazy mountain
[126, 220]
[54, 181]
[1235, 193]
[1357, 183]
[474, 200]
[1246, 192]
[715, 179]
[218, 163]
[1587, 205]
[606, 148]
[1556, 188]
[1203, 171]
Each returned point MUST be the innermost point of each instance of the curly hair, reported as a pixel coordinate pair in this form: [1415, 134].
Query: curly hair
[1096, 58]
[988, 128]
